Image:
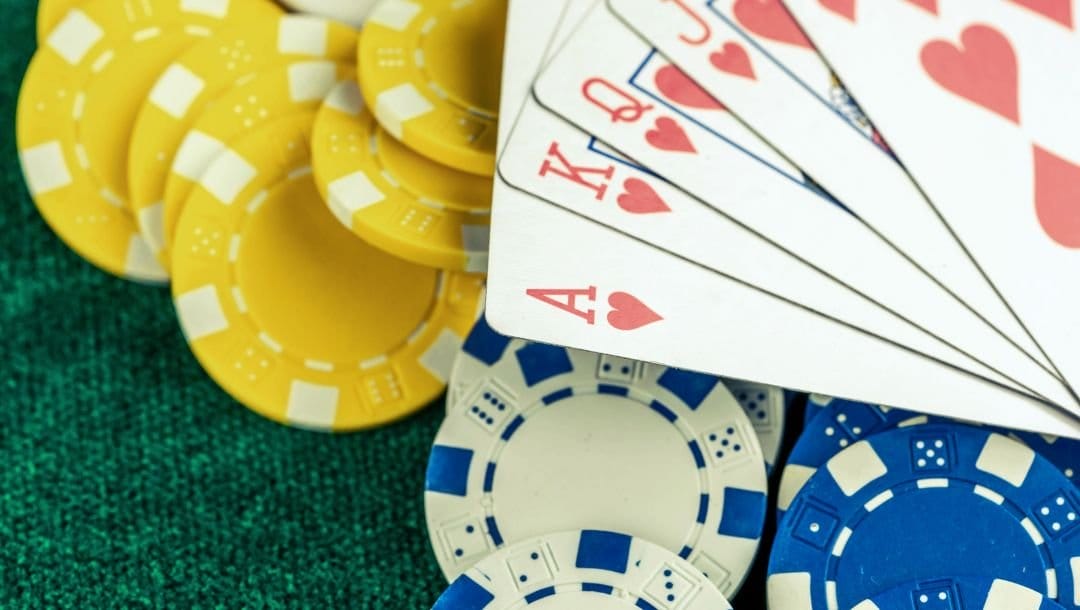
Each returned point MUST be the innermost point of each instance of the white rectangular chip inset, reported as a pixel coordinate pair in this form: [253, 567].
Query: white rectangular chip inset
[855, 467]
[175, 90]
[311, 81]
[213, 8]
[303, 35]
[227, 176]
[395, 15]
[200, 313]
[1006, 459]
[312, 405]
[352, 193]
[73, 37]
[45, 168]
[439, 358]
[790, 591]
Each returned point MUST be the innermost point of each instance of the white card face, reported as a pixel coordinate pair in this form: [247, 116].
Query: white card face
[752, 56]
[727, 326]
[980, 105]
[591, 83]
[551, 158]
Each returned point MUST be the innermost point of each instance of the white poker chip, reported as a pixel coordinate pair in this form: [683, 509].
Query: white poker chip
[765, 405]
[583, 570]
[352, 12]
[554, 439]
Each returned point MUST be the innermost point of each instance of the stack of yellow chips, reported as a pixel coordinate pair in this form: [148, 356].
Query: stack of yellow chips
[319, 197]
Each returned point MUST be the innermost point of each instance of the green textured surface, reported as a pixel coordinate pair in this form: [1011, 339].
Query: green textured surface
[128, 479]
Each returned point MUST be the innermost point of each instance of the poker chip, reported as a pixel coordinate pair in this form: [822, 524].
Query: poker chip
[352, 12]
[394, 198]
[553, 438]
[76, 108]
[281, 90]
[960, 593]
[290, 313]
[766, 407]
[431, 72]
[837, 424]
[583, 569]
[50, 13]
[915, 503]
[194, 80]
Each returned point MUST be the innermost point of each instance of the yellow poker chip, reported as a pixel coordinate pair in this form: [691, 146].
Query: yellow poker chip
[393, 197]
[50, 12]
[290, 313]
[282, 90]
[194, 80]
[77, 106]
[431, 70]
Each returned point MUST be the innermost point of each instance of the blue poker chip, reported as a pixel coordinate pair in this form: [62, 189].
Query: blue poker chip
[547, 438]
[915, 503]
[583, 569]
[837, 424]
[960, 593]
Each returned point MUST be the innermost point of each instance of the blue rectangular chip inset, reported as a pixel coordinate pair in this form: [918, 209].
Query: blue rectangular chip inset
[540, 362]
[448, 470]
[691, 387]
[744, 513]
[464, 594]
[617, 390]
[484, 344]
[539, 594]
[595, 587]
[603, 551]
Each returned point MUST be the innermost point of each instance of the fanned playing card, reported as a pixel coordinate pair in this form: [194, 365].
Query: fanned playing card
[753, 57]
[559, 278]
[594, 81]
[978, 100]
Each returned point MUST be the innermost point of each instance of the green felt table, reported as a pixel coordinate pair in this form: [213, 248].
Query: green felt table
[128, 479]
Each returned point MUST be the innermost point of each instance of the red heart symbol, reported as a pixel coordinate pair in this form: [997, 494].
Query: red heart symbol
[844, 8]
[640, 198]
[929, 5]
[628, 313]
[675, 85]
[1057, 197]
[769, 19]
[668, 135]
[982, 70]
[1057, 10]
[733, 59]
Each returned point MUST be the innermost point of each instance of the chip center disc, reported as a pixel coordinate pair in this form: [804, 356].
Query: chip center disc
[894, 544]
[315, 288]
[463, 53]
[113, 98]
[597, 461]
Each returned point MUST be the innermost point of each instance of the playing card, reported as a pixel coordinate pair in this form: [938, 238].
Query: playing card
[979, 103]
[753, 57]
[551, 158]
[558, 278]
[591, 81]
